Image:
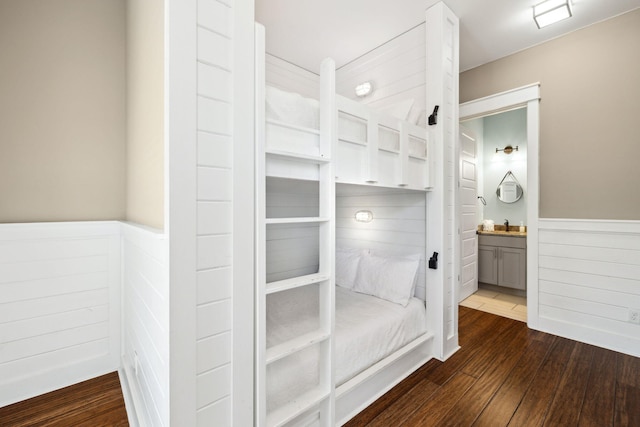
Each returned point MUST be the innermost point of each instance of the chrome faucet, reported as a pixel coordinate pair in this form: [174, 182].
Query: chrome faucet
[506, 225]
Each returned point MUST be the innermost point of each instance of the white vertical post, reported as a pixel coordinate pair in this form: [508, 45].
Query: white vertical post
[260, 225]
[328, 131]
[404, 155]
[442, 90]
[372, 149]
[244, 183]
[181, 125]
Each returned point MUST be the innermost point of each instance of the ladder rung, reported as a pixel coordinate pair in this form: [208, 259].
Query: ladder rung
[295, 282]
[304, 129]
[309, 158]
[297, 220]
[295, 345]
[299, 405]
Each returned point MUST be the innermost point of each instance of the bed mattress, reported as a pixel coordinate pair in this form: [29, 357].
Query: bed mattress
[367, 330]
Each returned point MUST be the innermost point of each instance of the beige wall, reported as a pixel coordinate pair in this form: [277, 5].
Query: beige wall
[62, 110]
[145, 114]
[589, 116]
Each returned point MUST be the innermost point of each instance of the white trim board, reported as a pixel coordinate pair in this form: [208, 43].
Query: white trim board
[529, 97]
[507, 100]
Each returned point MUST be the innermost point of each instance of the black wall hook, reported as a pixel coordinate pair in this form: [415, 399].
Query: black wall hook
[433, 118]
[433, 261]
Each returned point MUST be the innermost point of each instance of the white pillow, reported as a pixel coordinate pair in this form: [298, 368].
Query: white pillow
[347, 261]
[413, 256]
[389, 278]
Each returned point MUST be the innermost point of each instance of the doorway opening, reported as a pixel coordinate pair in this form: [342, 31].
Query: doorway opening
[498, 203]
[496, 213]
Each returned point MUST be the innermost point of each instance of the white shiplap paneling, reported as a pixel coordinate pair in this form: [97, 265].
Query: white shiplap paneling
[398, 226]
[589, 278]
[291, 78]
[214, 212]
[397, 71]
[59, 305]
[145, 281]
[292, 249]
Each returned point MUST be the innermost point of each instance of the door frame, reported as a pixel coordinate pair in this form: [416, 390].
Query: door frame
[528, 97]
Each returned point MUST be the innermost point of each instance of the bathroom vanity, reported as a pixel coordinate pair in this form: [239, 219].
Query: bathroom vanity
[502, 259]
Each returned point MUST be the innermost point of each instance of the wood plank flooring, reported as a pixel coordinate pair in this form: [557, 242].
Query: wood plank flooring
[504, 375]
[508, 375]
[97, 402]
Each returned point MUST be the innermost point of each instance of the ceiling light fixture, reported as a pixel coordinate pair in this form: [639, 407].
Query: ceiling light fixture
[364, 89]
[551, 11]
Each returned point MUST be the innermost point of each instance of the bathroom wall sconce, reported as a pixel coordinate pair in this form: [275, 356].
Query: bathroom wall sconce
[508, 149]
[364, 216]
[364, 89]
[551, 11]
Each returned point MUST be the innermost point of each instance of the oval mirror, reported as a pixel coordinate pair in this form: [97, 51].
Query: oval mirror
[509, 192]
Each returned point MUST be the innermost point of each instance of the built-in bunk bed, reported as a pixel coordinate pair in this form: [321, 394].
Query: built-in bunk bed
[336, 327]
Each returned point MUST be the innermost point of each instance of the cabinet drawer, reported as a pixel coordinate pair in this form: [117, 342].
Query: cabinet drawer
[503, 241]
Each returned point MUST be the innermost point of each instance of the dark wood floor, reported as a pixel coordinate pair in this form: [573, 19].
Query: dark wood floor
[97, 403]
[508, 375]
[504, 375]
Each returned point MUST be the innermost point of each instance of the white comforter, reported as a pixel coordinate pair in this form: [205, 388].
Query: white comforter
[367, 330]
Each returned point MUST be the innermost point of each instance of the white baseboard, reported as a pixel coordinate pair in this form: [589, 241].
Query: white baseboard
[129, 399]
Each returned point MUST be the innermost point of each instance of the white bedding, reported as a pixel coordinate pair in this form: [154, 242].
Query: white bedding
[367, 330]
[292, 108]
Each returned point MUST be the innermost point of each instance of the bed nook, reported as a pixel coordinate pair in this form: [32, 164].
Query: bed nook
[343, 300]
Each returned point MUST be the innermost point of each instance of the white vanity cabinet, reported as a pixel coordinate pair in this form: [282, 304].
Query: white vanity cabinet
[502, 261]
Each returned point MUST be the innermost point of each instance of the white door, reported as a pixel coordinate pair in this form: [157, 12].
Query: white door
[468, 226]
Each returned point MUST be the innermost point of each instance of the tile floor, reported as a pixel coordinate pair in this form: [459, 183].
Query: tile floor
[504, 305]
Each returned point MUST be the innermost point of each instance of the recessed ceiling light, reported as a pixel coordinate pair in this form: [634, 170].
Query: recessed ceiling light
[551, 11]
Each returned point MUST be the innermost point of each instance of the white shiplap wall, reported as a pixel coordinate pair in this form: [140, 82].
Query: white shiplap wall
[398, 226]
[291, 78]
[214, 306]
[145, 306]
[292, 249]
[589, 278]
[397, 70]
[59, 305]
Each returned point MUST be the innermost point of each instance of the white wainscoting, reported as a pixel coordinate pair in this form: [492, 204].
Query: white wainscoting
[398, 224]
[589, 278]
[59, 305]
[145, 340]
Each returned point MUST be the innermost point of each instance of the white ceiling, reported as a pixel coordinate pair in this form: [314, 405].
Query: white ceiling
[306, 31]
